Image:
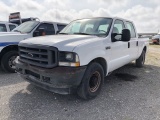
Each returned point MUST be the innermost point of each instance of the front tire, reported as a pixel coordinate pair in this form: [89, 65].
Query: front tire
[7, 61]
[92, 81]
[141, 60]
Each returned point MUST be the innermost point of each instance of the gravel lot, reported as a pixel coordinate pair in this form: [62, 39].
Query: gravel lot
[129, 93]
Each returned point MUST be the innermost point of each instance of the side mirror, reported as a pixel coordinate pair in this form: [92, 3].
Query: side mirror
[126, 35]
[113, 37]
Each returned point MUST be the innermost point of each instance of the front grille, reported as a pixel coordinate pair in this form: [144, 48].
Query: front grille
[42, 56]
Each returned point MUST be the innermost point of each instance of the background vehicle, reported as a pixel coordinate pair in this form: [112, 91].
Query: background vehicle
[16, 18]
[7, 27]
[81, 56]
[9, 41]
[156, 39]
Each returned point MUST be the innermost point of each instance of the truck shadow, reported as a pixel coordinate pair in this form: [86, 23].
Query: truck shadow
[119, 88]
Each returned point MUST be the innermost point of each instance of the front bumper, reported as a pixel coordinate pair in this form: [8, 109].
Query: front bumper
[62, 80]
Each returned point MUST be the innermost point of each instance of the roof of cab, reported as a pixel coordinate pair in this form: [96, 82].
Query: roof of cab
[107, 17]
[5, 22]
[53, 22]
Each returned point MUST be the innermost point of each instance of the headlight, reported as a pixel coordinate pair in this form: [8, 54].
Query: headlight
[68, 59]
[69, 56]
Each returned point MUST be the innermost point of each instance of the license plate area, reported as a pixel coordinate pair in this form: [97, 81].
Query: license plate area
[32, 75]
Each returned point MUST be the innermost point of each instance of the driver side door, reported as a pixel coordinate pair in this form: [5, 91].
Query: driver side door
[119, 49]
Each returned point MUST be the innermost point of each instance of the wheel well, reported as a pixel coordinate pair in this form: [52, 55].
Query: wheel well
[7, 49]
[102, 62]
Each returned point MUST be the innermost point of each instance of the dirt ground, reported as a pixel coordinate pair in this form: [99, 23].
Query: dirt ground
[129, 93]
[153, 55]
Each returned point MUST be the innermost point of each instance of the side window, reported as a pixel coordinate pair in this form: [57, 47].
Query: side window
[60, 27]
[11, 27]
[118, 27]
[3, 28]
[132, 29]
[48, 28]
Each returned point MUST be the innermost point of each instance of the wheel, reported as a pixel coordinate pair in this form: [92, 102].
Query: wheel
[92, 81]
[7, 61]
[141, 60]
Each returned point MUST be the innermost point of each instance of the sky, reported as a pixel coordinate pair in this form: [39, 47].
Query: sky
[144, 13]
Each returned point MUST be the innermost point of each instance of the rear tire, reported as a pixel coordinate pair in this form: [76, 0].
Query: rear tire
[7, 61]
[92, 81]
[141, 60]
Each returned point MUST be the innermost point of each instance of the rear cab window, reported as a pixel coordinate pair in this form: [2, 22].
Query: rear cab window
[130, 26]
[3, 28]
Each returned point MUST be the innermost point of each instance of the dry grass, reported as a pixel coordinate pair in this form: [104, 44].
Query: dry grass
[153, 55]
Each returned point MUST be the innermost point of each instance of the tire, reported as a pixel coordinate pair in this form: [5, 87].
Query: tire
[141, 60]
[92, 82]
[7, 61]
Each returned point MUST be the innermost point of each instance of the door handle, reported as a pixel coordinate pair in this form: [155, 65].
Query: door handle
[108, 47]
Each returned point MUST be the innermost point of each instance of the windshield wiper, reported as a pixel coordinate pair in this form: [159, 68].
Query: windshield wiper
[82, 33]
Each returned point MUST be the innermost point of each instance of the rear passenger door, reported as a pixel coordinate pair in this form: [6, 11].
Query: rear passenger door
[133, 48]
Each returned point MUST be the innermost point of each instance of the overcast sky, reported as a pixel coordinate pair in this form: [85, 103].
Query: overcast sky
[144, 13]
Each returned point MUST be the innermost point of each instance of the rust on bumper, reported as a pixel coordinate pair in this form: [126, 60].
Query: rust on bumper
[62, 80]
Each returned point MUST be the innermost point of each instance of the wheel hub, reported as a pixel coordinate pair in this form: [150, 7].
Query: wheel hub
[94, 81]
[12, 63]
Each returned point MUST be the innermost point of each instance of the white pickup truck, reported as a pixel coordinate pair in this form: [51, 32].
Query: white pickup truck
[9, 40]
[81, 55]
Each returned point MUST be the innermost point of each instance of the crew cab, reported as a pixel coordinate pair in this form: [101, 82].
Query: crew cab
[78, 59]
[9, 41]
[7, 27]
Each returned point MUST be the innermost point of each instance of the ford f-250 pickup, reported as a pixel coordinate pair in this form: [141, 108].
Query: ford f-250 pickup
[9, 40]
[81, 55]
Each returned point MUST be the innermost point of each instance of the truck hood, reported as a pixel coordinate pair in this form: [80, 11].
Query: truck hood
[62, 42]
[12, 37]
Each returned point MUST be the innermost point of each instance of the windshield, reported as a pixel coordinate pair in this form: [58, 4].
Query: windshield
[26, 27]
[96, 26]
